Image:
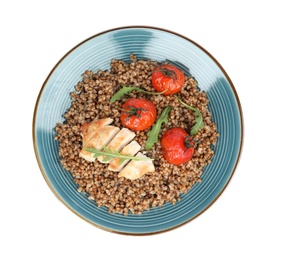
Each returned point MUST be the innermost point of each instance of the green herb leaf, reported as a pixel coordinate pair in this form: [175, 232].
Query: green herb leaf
[126, 90]
[123, 91]
[199, 123]
[108, 155]
[199, 118]
[154, 132]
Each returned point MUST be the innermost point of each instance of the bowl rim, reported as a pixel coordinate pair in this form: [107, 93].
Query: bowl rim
[44, 174]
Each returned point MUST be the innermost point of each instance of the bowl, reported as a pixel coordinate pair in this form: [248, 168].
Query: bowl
[157, 44]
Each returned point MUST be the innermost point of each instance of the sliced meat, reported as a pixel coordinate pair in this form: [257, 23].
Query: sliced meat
[103, 136]
[136, 169]
[88, 156]
[100, 138]
[89, 129]
[118, 142]
[130, 150]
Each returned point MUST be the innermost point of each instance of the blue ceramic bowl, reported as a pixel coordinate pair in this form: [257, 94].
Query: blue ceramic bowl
[156, 44]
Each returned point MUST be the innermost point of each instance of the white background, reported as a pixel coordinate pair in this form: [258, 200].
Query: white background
[244, 36]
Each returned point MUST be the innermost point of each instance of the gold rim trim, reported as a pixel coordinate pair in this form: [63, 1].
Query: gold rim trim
[138, 27]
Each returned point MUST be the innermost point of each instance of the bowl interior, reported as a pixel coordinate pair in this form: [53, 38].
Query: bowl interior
[146, 43]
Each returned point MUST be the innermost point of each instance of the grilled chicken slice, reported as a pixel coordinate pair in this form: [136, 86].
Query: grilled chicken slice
[130, 150]
[118, 142]
[136, 169]
[89, 129]
[100, 138]
[100, 133]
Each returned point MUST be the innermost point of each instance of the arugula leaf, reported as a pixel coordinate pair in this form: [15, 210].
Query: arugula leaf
[154, 132]
[108, 155]
[126, 90]
[123, 91]
[199, 118]
[199, 123]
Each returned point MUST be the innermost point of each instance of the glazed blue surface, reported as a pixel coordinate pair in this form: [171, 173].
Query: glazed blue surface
[156, 44]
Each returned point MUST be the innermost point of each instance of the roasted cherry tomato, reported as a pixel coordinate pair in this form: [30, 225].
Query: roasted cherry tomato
[167, 77]
[138, 114]
[177, 146]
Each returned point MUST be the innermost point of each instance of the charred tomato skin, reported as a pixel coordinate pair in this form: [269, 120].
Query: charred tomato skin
[167, 78]
[177, 146]
[138, 114]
